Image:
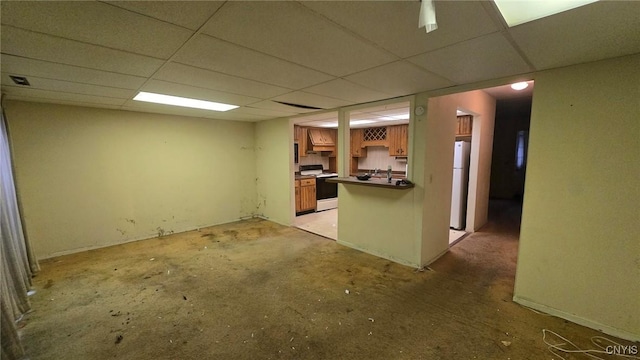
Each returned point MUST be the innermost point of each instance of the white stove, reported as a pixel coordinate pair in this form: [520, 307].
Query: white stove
[326, 192]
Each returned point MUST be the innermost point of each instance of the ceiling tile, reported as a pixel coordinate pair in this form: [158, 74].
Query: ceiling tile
[307, 99]
[217, 55]
[75, 88]
[394, 24]
[343, 89]
[250, 110]
[97, 23]
[189, 75]
[290, 31]
[272, 105]
[399, 78]
[484, 58]
[15, 65]
[44, 47]
[29, 94]
[601, 30]
[168, 88]
[189, 14]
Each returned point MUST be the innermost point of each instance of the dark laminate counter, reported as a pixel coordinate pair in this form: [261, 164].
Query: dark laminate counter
[376, 182]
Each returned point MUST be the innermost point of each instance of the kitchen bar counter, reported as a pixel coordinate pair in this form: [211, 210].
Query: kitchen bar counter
[376, 182]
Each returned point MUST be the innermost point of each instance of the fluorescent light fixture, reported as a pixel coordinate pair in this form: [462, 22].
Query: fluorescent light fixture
[516, 12]
[351, 123]
[361, 122]
[520, 85]
[181, 101]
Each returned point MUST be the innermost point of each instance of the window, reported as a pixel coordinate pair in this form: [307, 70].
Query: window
[521, 149]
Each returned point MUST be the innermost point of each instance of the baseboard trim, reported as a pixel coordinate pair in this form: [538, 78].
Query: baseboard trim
[378, 254]
[143, 237]
[622, 334]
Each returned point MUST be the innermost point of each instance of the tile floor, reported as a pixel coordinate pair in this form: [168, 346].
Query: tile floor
[325, 223]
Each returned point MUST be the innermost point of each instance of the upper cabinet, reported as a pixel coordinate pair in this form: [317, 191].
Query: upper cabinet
[465, 124]
[321, 137]
[398, 139]
[300, 135]
[357, 148]
[374, 136]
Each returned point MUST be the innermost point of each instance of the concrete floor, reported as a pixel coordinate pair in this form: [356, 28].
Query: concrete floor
[258, 290]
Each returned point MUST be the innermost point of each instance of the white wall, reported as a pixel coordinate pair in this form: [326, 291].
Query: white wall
[579, 254]
[378, 158]
[89, 178]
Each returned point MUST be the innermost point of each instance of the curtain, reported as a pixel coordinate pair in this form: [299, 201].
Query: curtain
[18, 261]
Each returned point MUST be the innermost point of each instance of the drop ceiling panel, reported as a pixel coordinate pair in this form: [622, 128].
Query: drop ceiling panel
[290, 31]
[44, 47]
[189, 75]
[346, 90]
[73, 88]
[24, 93]
[15, 65]
[97, 23]
[168, 88]
[307, 99]
[272, 105]
[601, 30]
[394, 24]
[189, 14]
[217, 55]
[484, 58]
[250, 110]
[399, 78]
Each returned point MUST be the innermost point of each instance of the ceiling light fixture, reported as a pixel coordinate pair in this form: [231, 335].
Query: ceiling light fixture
[520, 12]
[182, 101]
[427, 17]
[351, 123]
[520, 85]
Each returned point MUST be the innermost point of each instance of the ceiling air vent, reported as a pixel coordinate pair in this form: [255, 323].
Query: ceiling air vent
[298, 105]
[20, 80]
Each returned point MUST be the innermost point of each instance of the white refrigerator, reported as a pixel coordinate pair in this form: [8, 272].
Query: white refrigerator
[462, 150]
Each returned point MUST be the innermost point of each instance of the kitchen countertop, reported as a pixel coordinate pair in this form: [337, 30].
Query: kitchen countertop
[376, 182]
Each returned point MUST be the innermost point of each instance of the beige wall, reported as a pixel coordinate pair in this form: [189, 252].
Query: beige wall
[439, 140]
[89, 178]
[274, 170]
[579, 255]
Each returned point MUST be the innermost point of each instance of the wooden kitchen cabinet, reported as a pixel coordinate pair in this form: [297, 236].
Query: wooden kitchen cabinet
[307, 195]
[302, 140]
[465, 125]
[298, 200]
[398, 136]
[321, 137]
[356, 144]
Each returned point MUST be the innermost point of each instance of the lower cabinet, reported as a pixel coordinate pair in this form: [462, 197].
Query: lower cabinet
[305, 195]
[298, 196]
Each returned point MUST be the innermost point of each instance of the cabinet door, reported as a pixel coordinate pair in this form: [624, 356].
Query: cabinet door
[398, 140]
[303, 142]
[356, 144]
[308, 197]
[298, 202]
[465, 125]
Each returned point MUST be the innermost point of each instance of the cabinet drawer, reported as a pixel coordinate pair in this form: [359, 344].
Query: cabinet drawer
[307, 182]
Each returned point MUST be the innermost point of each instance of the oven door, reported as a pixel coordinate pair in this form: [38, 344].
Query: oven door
[324, 189]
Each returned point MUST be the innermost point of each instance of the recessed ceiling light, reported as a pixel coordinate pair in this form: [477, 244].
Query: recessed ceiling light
[182, 101]
[520, 12]
[520, 85]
